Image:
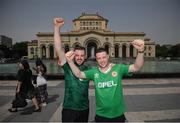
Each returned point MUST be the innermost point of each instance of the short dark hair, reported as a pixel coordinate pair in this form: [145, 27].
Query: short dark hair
[38, 62]
[101, 49]
[25, 64]
[79, 48]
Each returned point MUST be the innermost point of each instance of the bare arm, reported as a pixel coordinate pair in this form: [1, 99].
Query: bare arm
[58, 22]
[18, 86]
[70, 56]
[139, 45]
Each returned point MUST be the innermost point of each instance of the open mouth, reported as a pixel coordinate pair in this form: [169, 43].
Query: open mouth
[79, 60]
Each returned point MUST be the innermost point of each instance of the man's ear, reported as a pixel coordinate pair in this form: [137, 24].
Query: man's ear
[85, 57]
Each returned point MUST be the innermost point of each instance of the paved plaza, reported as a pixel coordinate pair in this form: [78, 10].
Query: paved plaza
[147, 100]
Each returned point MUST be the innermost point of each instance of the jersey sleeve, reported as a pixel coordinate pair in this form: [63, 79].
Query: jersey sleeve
[89, 74]
[65, 67]
[125, 70]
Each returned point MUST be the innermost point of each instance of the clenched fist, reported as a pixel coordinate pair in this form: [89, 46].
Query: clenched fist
[138, 44]
[69, 56]
[58, 22]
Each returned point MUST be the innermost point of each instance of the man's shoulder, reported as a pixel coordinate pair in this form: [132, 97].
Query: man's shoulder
[65, 66]
[84, 66]
[119, 66]
[93, 68]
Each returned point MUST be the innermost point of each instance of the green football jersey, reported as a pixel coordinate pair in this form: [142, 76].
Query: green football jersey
[76, 90]
[108, 90]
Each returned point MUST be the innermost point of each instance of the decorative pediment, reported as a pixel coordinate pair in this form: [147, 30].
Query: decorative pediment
[85, 16]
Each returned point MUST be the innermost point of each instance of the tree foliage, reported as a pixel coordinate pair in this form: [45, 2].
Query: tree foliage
[161, 51]
[175, 51]
[165, 51]
[20, 49]
[4, 52]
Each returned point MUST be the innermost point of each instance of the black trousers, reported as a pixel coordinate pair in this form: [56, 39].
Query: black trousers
[69, 115]
[121, 118]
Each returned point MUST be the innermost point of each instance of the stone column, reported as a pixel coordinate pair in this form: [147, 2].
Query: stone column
[35, 51]
[120, 51]
[39, 52]
[111, 51]
[127, 51]
[47, 52]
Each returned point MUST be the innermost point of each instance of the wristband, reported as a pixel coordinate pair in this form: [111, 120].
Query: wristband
[141, 51]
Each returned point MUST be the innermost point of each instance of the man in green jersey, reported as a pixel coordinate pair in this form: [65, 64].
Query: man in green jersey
[76, 102]
[107, 81]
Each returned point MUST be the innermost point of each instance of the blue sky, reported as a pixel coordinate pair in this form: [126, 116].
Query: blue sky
[159, 19]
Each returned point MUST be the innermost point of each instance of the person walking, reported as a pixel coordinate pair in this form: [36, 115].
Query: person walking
[24, 88]
[41, 83]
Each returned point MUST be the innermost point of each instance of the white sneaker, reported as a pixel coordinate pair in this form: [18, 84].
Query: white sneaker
[28, 100]
[43, 104]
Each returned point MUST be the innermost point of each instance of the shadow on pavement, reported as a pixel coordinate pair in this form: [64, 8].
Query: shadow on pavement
[52, 98]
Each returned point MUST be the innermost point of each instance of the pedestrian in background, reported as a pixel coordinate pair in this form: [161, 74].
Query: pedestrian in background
[24, 89]
[41, 83]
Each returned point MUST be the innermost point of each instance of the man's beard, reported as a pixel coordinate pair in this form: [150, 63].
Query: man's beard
[75, 61]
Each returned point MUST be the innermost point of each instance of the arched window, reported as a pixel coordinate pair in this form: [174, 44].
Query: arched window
[36, 51]
[149, 54]
[32, 50]
[116, 49]
[96, 23]
[150, 48]
[124, 51]
[51, 50]
[107, 48]
[131, 51]
[43, 52]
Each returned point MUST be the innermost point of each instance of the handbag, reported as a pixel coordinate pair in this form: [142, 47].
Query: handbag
[41, 80]
[19, 100]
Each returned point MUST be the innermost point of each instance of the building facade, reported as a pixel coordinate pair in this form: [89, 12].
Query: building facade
[6, 41]
[91, 31]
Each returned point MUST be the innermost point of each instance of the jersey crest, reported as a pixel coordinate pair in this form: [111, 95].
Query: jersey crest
[114, 74]
[96, 75]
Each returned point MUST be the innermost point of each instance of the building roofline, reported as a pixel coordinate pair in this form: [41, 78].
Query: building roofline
[108, 33]
[84, 14]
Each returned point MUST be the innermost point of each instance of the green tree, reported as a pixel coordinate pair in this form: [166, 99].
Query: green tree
[4, 52]
[20, 49]
[175, 51]
[161, 51]
[158, 51]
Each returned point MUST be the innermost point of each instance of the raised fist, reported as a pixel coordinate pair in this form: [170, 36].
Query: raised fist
[138, 44]
[58, 22]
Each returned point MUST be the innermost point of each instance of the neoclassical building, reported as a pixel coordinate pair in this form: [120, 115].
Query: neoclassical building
[91, 31]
